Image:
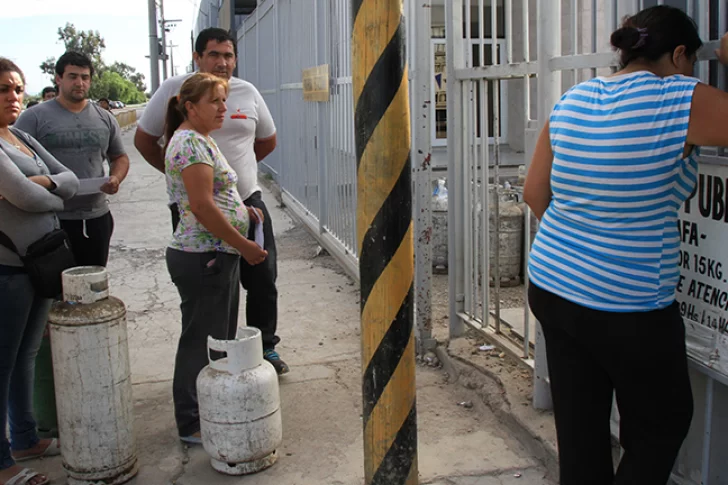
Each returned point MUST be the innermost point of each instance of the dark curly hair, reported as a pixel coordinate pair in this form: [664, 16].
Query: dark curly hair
[73, 58]
[654, 32]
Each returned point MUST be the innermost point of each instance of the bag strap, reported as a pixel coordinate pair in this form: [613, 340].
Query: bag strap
[8, 243]
[4, 239]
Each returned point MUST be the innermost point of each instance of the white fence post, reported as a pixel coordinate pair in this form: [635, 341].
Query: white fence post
[457, 183]
[321, 33]
[549, 92]
[421, 156]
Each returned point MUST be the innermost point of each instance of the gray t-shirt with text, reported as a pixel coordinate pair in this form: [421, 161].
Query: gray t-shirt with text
[81, 142]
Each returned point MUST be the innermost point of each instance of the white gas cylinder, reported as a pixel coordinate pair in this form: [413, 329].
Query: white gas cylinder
[240, 414]
[92, 380]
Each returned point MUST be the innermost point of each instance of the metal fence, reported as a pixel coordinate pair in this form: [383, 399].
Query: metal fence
[485, 219]
[315, 163]
[549, 46]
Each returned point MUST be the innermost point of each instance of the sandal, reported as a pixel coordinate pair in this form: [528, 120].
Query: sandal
[51, 450]
[24, 476]
[193, 439]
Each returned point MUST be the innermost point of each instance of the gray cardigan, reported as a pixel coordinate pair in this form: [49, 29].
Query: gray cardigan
[27, 210]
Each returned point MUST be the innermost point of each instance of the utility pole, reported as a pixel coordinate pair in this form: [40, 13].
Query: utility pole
[233, 31]
[192, 45]
[153, 46]
[164, 23]
[164, 39]
[385, 239]
[171, 58]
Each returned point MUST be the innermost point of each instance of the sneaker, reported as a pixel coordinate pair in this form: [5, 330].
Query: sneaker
[272, 356]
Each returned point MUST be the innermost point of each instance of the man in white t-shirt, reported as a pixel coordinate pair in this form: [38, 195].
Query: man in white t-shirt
[247, 136]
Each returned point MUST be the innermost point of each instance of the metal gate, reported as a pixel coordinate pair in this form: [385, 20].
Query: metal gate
[550, 46]
[479, 75]
[315, 163]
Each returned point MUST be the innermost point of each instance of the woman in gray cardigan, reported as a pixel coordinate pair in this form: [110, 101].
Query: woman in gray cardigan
[33, 186]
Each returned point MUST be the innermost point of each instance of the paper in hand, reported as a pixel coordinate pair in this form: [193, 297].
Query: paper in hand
[91, 186]
[259, 237]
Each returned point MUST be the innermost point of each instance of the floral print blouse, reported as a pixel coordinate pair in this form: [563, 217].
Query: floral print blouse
[188, 148]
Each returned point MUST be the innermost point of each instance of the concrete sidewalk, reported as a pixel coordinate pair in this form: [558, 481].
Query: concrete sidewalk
[461, 441]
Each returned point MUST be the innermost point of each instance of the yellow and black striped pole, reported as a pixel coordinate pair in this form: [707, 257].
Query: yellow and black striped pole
[384, 232]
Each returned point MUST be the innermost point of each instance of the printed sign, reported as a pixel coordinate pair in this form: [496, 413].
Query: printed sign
[702, 290]
[316, 83]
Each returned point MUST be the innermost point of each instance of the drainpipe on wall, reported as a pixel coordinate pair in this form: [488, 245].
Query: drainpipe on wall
[233, 31]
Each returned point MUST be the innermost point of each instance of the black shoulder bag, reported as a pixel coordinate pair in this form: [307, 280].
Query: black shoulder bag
[45, 260]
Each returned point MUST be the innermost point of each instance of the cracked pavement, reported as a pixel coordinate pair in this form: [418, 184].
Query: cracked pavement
[320, 398]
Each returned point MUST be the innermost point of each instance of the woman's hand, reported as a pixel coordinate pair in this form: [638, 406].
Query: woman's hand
[253, 253]
[43, 180]
[255, 215]
[722, 52]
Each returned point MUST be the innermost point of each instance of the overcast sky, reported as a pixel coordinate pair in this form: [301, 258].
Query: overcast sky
[29, 32]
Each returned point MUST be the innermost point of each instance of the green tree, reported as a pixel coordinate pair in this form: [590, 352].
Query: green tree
[119, 81]
[31, 97]
[49, 67]
[128, 72]
[87, 42]
[113, 86]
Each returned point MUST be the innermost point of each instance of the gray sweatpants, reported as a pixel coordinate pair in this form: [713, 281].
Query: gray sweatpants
[209, 286]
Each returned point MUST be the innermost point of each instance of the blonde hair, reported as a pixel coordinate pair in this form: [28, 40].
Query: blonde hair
[193, 89]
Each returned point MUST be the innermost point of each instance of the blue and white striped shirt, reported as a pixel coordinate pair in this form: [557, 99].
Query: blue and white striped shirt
[609, 238]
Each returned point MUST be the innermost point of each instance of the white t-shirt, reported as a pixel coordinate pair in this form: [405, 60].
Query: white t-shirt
[247, 119]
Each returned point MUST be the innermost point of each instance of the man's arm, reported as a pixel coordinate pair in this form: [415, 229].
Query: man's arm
[118, 159]
[264, 146]
[119, 168]
[150, 127]
[148, 145]
[265, 130]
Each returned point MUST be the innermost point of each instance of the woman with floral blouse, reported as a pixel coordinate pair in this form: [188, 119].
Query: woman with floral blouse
[203, 257]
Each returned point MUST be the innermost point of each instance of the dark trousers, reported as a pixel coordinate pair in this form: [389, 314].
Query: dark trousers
[208, 286]
[261, 304]
[90, 245]
[639, 356]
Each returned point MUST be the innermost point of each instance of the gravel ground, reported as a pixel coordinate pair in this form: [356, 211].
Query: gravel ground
[512, 297]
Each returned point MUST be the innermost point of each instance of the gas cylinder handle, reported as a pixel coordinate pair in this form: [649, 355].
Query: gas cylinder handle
[217, 346]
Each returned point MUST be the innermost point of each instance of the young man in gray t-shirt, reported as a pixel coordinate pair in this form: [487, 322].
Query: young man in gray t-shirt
[81, 136]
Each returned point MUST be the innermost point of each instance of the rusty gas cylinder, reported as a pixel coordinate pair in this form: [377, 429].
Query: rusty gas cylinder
[93, 380]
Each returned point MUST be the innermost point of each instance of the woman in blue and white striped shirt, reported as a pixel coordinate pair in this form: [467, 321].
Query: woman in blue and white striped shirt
[610, 171]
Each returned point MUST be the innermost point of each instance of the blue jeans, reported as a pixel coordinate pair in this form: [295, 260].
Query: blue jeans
[23, 317]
